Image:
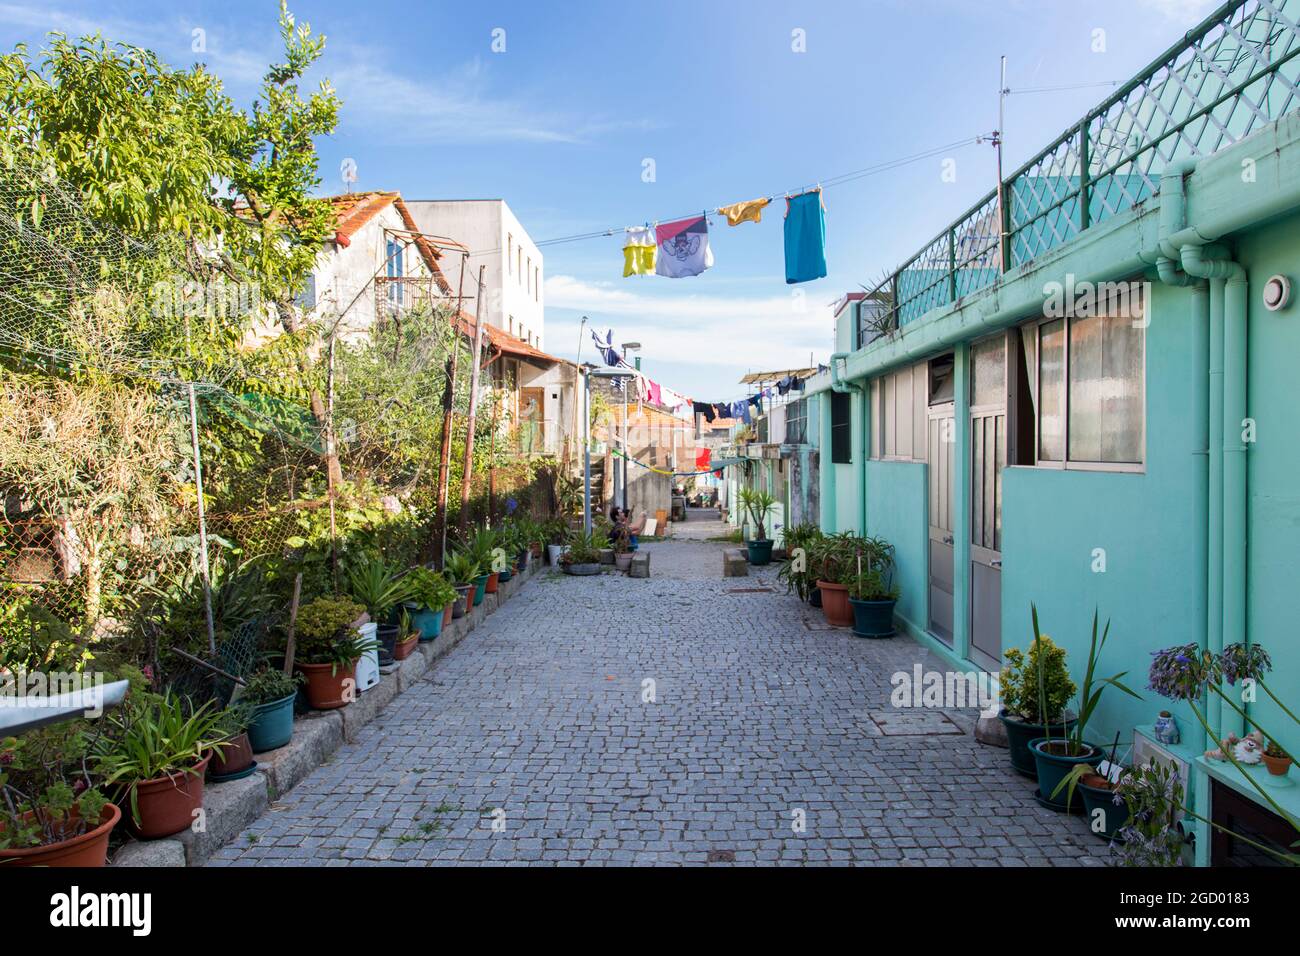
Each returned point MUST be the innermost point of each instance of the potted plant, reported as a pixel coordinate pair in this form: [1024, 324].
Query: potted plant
[329, 647]
[50, 812]
[1153, 797]
[1027, 710]
[1105, 811]
[622, 547]
[408, 635]
[872, 599]
[582, 556]
[758, 505]
[235, 760]
[431, 596]
[557, 539]
[795, 569]
[155, 757]
[462, 570]
[270, 693]
[490, 561]
[379, 587]
[1055, 757]
[833, 559]
[1277, 760]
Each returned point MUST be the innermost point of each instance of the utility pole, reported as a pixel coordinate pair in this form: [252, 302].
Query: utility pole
[1004, 223]
[448, 407]
[582, 327]
[473, 404]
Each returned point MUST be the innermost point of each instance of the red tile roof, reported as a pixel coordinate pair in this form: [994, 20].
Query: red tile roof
[354, 210]
[506, 343]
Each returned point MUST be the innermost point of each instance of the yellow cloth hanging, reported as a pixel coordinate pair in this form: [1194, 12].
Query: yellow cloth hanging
[640, 252]
[751, 210]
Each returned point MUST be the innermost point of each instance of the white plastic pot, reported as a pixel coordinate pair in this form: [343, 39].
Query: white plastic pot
[368, 665]
[555, 551]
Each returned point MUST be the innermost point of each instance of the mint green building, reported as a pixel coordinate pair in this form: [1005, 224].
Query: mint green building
[1083, 395]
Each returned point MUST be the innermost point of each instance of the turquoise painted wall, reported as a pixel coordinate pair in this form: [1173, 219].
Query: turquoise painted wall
[1053, 520]
[896, 496]
[1273, 474]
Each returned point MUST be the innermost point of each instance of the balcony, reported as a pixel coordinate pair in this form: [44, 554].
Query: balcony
[1221, 82]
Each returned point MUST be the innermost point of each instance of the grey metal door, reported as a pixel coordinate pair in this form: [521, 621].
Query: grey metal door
[939, 458]
[988, 435]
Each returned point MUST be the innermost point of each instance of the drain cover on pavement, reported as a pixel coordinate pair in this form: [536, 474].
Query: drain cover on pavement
[722, 856]
[748, 591]
[914, 723]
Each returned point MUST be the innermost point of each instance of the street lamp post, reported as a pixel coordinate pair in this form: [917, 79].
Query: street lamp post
[627, 347]
[612, 373]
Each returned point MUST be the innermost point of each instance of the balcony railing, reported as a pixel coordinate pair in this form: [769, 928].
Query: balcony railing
[402, 293]
[1222, 81]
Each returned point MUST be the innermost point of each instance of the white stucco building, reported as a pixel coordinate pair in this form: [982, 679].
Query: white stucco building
[496, 239]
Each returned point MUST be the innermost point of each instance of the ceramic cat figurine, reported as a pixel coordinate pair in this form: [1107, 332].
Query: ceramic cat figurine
[1248, 750]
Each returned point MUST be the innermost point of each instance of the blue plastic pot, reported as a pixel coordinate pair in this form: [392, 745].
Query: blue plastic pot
[760, 551]
[1055, 767]
[272, 725]
[504, 576]
[428, 623]
[873, 618]
[480, 588]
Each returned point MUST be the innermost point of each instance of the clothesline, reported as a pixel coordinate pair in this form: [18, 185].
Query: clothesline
[826, 183]
[662, 471]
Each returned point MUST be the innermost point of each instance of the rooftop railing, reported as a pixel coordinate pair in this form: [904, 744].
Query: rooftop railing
[1222, 81]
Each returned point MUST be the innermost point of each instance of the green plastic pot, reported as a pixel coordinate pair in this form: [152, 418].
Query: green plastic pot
[1053, 768]
[1112, 817]
[873, 618]
[272, 724]
[760, 551]
[480, 588]
[1019, 734]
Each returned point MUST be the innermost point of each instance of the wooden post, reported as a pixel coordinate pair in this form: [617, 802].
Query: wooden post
[474, 356]
[291, 642]
[203, 524]
[331, 449]
[448, 407]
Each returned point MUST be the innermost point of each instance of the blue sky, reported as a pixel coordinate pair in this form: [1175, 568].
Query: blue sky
[560, 123]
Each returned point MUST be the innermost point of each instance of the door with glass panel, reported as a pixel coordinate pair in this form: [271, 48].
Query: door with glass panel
[939, 461]
[988, 444]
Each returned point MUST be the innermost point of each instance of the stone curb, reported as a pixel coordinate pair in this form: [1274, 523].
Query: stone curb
[229, 807]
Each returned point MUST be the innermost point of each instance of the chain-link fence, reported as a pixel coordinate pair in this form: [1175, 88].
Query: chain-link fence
[173, 455]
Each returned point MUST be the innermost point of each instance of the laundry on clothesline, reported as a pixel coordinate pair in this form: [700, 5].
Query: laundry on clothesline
[639, 251]
[683, 248]
[751, 210]
[805, 237]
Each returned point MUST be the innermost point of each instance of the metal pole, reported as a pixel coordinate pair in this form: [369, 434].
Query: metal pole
[586, 450]
[582, 327]
[203, 524]
[473, 403]
[623, 470]
[1004, 258]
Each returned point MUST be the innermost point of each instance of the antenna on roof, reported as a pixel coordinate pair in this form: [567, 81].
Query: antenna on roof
[348, 172]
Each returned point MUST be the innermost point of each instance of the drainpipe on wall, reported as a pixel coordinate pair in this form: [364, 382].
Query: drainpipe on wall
[1233, 283]
[1227, 385]
[864, 438]
[1205, 392]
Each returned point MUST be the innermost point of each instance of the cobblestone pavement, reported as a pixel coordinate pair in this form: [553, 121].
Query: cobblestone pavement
[769, 739]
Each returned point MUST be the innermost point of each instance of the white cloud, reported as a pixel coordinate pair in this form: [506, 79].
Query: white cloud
[733, 332]
[1181, 11]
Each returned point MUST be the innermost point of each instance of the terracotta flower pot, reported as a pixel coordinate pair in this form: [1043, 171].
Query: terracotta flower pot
[166, 805]
[403, 649]
[493, 581]
[446, 613]
[327, 684]
[89, 849]
[235, 757]
[835, 604]
[1277, 766]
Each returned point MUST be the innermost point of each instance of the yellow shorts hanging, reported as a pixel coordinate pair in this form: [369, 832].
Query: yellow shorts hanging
[749, 211]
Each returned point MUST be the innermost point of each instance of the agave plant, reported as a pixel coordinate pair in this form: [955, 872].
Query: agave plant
[462, 567]
[379, 586]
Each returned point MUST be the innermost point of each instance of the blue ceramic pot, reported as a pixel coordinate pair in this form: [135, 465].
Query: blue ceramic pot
[272, 725]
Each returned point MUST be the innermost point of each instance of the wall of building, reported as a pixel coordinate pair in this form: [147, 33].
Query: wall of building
[897, 510]
[514, 273]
